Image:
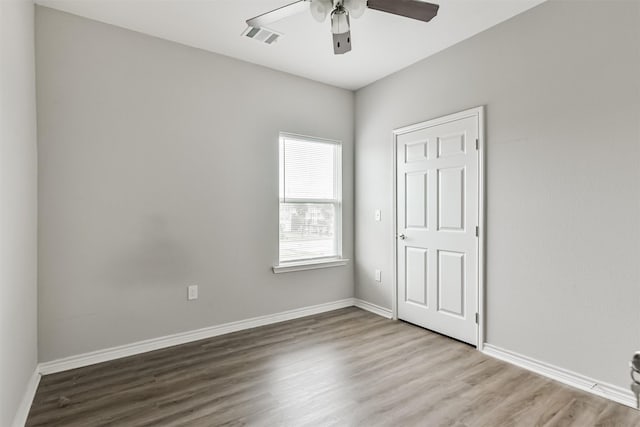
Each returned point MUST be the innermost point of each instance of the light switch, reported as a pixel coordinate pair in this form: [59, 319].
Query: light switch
[378, 276]
[192, 292]
[378, 215]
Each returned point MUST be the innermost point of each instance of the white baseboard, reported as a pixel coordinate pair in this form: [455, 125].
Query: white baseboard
[139, 347]
[21, 415]
[380, 311]
[573, 379]
[581, 382]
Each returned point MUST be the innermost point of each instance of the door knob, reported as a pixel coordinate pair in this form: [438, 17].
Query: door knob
[402, 236]
[635, 368]
[635, 376]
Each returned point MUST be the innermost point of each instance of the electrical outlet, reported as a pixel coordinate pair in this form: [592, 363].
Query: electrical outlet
[192, 292]
[378, 215]
[378, 276]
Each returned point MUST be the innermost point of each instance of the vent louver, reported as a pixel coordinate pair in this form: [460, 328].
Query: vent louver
[262, 34]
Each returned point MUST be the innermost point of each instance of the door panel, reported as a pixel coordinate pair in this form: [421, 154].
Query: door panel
[416, 151]
[451, 207]
[451, 284]
[416, 267]
[450, 145]
[416, 206]
[437, 210]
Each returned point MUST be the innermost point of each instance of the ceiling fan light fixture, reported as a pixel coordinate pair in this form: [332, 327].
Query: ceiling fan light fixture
[320, 9]
[341, 12]
[356, 8]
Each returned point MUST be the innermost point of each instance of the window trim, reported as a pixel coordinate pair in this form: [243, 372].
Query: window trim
[321, 262]
[316, 263]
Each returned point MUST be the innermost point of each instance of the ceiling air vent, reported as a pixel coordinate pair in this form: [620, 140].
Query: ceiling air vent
[263, 35]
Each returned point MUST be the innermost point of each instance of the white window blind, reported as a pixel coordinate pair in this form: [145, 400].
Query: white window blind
[310, 199]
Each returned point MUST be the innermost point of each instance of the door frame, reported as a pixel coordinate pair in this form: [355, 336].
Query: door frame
[472, 112]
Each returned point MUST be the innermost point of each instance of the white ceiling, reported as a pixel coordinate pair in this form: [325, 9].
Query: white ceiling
[382, 43]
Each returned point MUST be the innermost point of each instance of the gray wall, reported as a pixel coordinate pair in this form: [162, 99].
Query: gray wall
[18, 210]
[562, 89]
[158, 169]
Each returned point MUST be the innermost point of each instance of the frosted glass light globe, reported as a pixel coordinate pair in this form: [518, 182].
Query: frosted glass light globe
[320, 9]
[355, 7]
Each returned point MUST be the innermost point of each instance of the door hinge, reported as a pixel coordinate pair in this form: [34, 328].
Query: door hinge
[477, 318]
[477, 231]
[477, 144]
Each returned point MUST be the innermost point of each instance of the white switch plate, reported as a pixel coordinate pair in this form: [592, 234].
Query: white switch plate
[192, 292]
[378, 276]
[378, 215]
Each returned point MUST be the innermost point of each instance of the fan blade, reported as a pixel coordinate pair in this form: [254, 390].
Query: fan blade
[278, 14]
[414, 9]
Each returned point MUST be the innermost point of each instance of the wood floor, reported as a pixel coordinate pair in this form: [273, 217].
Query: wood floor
[345, 368]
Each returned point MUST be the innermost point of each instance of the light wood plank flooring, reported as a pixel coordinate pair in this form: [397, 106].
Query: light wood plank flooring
[345, 368]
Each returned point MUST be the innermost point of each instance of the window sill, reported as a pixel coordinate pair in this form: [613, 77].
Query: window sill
[309, 265]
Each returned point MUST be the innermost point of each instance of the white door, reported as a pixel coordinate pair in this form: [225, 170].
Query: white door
[437, 215]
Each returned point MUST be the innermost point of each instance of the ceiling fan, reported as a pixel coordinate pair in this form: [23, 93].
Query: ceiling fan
[341, 11]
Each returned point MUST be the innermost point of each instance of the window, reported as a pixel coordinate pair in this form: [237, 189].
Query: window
[310, 201]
